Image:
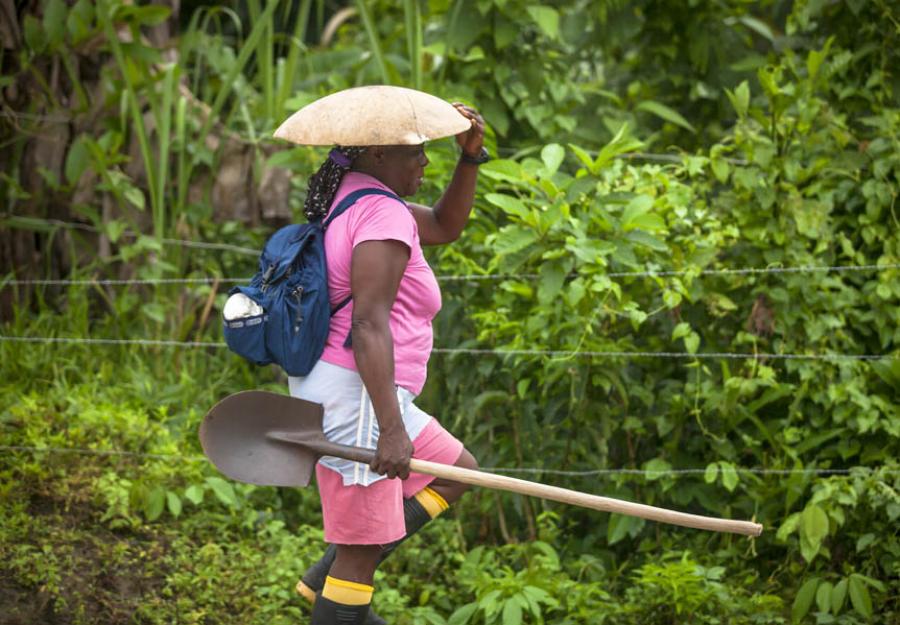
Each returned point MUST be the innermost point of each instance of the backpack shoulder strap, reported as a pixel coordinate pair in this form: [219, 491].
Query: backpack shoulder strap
[351, 199]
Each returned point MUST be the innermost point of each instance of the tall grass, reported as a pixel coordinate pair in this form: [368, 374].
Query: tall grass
[374, 40]
[413, 20]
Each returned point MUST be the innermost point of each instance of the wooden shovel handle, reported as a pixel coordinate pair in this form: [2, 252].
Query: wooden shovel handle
[595, 502]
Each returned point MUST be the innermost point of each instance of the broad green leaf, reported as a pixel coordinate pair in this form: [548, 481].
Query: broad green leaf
[617, 528]
[681, 330]
[788, 527]
[664, 112]
[823, 596]
[740, 100]
[155, 311]
[838, 594]
[637, 207]
[815, 58]
[552, 277]
[194, 494]
[859, 597]
[55, 22]
[813, 530]
[546, 18]
[691, 343]
[502, 169]
[552, 155]
[512, 612]
[646, 239]
[720, 169]
[759, 26]
[512, 239]
[874, 583]
[864, 541]
[149, 15]
[656, 468]
[620, 144]
[712, 471]
[804, 599]
[173, 502]
[223, 491]
[135, 196]
[671, 299]
[463, 615]
[508, 203]
[77, 160]
[522, 387]
[35, 37]
[729, 473]
[766, 78]
[582, 156]
[114, 229]
[154, 503]
[80, 20]
[814, 523]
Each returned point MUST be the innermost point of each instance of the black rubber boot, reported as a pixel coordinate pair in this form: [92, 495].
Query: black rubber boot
[327, 612]
[415, 517]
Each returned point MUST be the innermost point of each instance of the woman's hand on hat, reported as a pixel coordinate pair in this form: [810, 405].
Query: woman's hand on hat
[472, 140]
[392, 454]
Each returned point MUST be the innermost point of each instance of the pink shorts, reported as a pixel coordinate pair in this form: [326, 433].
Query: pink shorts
[373, 515]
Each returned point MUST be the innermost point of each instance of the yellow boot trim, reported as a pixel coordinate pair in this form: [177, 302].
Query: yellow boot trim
[306, 592]
[433, 503]
[346, 592]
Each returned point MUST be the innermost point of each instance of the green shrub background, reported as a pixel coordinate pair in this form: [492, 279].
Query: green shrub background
[631, 138]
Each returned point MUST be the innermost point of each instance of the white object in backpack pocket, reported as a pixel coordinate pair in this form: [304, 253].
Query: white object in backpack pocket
[239, 306]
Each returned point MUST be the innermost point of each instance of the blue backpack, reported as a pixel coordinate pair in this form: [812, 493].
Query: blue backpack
[291, 287]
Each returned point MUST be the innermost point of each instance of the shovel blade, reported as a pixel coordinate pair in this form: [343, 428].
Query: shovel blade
[235, 436]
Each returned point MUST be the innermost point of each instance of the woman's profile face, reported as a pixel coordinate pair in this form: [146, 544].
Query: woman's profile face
[403, 167]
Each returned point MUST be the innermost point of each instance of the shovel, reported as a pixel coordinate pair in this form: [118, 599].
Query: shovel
[275, 440]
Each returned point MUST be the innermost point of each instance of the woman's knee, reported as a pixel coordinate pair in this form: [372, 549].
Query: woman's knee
[356, 563]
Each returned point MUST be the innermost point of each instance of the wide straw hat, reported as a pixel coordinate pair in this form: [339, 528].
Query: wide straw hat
[375, 115]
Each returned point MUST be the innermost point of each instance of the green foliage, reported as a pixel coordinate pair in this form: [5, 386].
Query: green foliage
[787, 124]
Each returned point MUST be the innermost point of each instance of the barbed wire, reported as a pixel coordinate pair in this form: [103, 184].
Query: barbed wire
[134, 235]
[508, 151]
[627, 156]
[646, 354]
[57, 119]
[649, 473]
[667, 472]
[485, 351]
[479, 277]
[95, 341]
[649, 273]
[124, 282]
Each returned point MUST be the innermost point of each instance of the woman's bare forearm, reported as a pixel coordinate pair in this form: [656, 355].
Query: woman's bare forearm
[373, 351]
[452, 210]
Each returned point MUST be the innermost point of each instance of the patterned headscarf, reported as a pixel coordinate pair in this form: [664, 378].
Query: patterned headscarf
[324, 183]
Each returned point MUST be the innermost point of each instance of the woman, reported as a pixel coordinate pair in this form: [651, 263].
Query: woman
[375, 362]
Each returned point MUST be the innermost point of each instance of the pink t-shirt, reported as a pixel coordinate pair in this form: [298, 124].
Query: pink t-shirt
[380, 218]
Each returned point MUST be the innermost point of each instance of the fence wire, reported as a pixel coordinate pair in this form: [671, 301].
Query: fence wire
[649, 273]
[134, 235]
[483, 352]
[742, 271]
[647, 473]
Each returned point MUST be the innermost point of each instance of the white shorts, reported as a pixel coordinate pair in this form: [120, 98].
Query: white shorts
[349, 417]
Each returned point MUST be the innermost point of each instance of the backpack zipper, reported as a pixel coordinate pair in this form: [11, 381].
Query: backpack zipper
[298, 293]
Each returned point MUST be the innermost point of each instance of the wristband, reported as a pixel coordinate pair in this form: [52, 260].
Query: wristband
[480, 159]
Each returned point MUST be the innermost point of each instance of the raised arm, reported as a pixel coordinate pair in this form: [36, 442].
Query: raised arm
[375, 273]
[445, 222]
